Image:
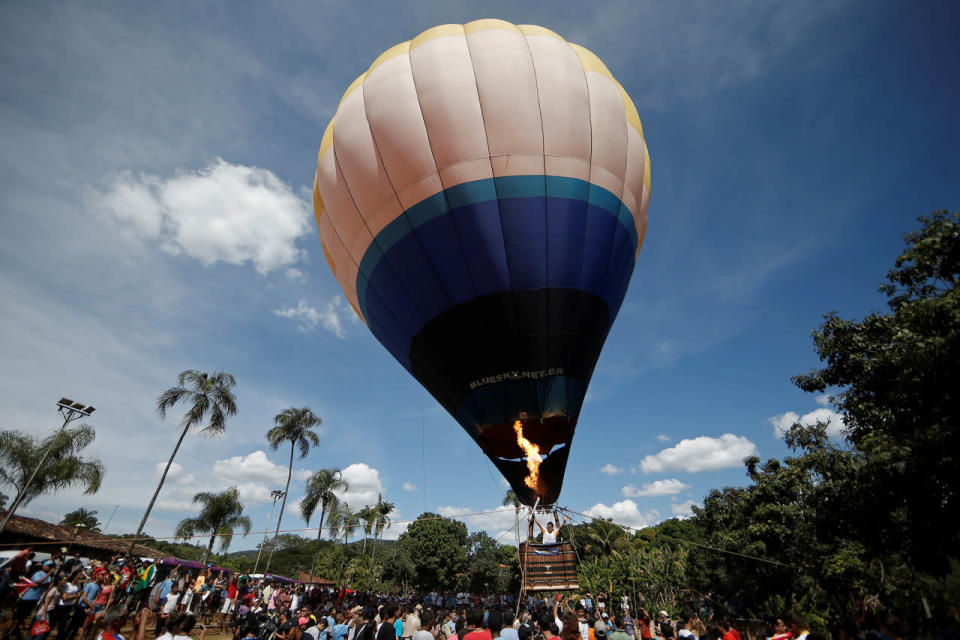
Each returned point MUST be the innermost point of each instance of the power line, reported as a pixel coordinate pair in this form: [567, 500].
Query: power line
[691, 542]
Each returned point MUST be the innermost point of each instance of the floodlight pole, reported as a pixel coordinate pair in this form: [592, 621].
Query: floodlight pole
[276, 494]
[70, 411]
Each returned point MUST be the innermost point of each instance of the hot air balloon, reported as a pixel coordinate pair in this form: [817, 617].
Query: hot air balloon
[481, 195]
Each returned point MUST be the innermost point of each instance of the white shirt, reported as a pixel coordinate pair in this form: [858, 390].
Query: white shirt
[549, 538]
[170, 604]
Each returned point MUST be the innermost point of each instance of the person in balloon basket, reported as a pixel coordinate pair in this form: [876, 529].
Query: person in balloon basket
[549, 532]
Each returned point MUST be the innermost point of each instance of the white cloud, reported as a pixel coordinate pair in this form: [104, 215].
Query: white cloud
[834, 421]
[176, 474]
[332, 317]
[221, 213]
[295, 274]
[625, 513]
[683, 509]
[823, 400]
[655, 488]
[409, 486]
[256, 468]
[611, 470]
[662, 437]
[364, 483]
[498, 520]
[701, 454]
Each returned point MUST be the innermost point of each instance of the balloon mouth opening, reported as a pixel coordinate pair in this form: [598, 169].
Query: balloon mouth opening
[531, 453]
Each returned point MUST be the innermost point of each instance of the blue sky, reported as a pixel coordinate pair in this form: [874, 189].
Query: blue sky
[154, 213]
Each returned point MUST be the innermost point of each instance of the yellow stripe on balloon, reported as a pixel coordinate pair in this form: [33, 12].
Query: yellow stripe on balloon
[437, 32]
[487, 24]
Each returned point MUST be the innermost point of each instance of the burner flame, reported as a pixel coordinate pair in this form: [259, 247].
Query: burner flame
[532, 453]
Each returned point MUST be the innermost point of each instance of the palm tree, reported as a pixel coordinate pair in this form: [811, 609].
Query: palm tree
[322, 488]
[368, 516]
[605, 539]
[82, 516]
[64, 466]
[343, 520]
[296, 427]
[209, 395]
[221, 514]
[383, 510]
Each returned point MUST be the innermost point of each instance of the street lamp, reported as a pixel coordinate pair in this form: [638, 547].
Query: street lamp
[70, 411]
[276, 494]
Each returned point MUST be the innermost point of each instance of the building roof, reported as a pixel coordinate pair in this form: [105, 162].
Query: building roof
[45, 536]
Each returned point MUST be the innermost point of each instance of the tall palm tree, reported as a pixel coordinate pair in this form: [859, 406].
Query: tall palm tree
[344, 521]
[210, 397]
[322, 488]
[221, 513]
[383, 510]
[64, 466]
[294, 425]
[368, 517]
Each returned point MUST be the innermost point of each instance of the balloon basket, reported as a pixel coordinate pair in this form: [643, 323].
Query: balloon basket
[548, 567]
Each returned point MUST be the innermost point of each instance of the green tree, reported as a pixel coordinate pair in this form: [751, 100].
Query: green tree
[437, 549]
[220, 514]
[603, 538]
[210, 397]
[322, 488]
[368, 518]
[294, 425]
[64, 467]
[82, 516]
[894, 377]
[343, 521]
[383, 509]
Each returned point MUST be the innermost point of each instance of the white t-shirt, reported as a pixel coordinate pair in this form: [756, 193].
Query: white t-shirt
[68, 589]
[549, 537]
[170, 604]
[166, 636]
[420, 634]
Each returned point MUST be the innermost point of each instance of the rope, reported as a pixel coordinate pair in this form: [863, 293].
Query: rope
[82, 540]
[695, 544]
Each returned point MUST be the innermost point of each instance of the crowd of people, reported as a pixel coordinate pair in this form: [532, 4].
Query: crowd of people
[61, 598]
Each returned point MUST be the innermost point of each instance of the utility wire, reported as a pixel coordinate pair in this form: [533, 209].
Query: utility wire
[692, 543]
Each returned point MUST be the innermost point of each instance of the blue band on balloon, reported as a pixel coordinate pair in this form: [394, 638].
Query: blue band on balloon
[490, 236]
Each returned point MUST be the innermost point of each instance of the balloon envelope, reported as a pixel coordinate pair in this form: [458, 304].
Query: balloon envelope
[481, 195]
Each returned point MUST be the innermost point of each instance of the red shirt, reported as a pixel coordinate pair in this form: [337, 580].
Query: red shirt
[478, 634]
[733, 634]
[232, 591]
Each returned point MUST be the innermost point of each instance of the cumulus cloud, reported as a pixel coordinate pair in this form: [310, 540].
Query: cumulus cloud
[701, 454]
[254, 475]
[409, 486]
[611, 470]
[364, 483]
[499, 520]
[332, 317]
[655, 488]
[833, 420]
[176, 474]
[222, 213]
[624, 512]
[683, 509]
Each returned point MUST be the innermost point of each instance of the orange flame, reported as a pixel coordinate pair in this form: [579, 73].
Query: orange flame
[534, 458]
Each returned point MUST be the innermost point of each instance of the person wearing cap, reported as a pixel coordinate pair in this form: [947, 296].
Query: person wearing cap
[411, 623]
[666, 627]
[600, 628]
